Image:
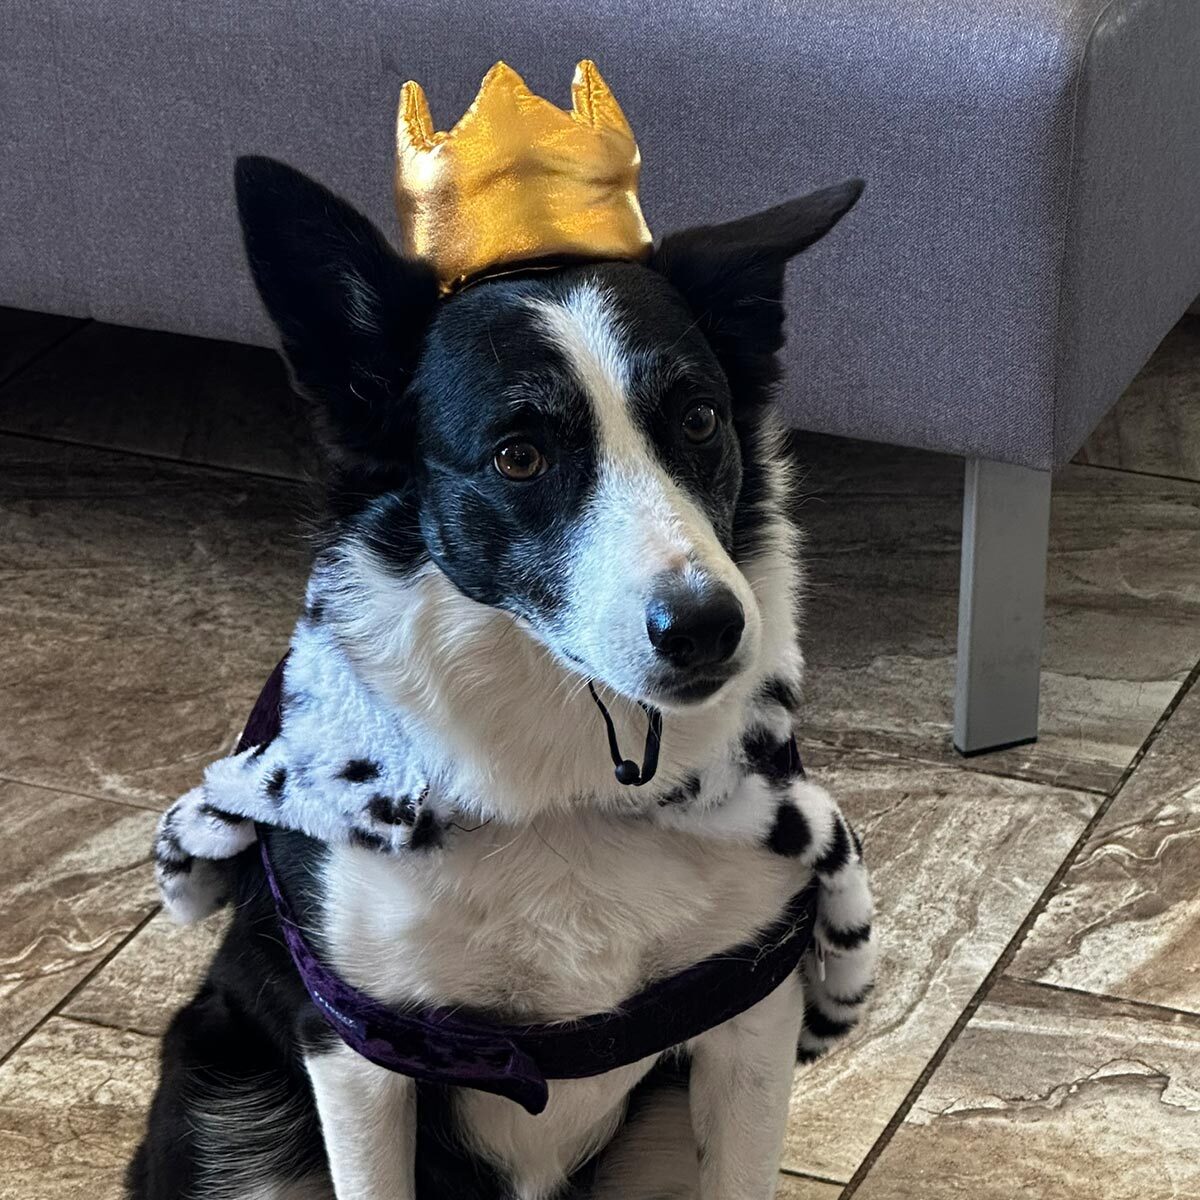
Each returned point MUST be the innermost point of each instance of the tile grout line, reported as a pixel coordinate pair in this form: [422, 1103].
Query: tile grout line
[100, 799]
[1149, 1005]
[95, 1023]
[296, 481]
[951, 764]
[1009, 952]
[1143, 474]
[811, 1178]
[73, 992]
[37, 357]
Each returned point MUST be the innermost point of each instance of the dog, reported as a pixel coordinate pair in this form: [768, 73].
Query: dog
[555, 482]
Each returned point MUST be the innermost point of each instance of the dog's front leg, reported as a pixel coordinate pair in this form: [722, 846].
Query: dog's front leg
[740, 1085]
[369, 1122]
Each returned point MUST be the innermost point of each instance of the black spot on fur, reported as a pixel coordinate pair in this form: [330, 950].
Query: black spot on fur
[805, 1056]
[359, 770]
[779, 691]
[389, 811]
[821, 1025]
[790, 834]
[837, 853]
[217, 815]
[167, 849]
[294, 702]
[856, 998]
[258, 750]
[848, 939]
[276, 782]
[689, 789]
[367, 840]
[315, 611]
[426, 835]
[772, 757]
[171, 867]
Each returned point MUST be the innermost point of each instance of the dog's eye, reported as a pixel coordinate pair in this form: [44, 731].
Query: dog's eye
[700, 423]
[520, 461]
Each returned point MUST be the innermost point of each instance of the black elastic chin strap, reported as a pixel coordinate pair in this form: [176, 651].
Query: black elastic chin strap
[628, 771]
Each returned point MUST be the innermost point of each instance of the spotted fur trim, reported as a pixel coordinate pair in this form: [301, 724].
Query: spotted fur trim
[342, 771]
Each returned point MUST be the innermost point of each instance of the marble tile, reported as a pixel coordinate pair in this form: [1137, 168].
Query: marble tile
[1126, 920]
[1155, 426]
[957, 859]
[795, 1187]
[143, 986]
[143, 605]
[73, 1101]
[1123, 609]
[1056, 1096]
[158, 393]
[24, 335]
[75, 878]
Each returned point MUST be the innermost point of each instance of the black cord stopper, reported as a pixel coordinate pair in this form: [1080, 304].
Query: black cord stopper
[627, 771]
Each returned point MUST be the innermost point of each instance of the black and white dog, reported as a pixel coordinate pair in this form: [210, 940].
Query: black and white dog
[545, 481]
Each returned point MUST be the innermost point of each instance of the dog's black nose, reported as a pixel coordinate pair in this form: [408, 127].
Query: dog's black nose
[695, 629]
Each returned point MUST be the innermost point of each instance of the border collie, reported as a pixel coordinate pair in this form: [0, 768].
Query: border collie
[550, 483]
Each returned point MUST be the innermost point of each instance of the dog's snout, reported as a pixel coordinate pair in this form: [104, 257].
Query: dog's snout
[695, 629]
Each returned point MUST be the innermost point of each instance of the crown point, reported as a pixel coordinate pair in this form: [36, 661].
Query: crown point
[593, 102]
[414, 122]
[502, 77]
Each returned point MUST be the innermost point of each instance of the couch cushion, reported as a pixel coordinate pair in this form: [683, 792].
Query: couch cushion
[1021, 245]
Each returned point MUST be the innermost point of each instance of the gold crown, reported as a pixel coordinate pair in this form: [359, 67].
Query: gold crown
[518, 181]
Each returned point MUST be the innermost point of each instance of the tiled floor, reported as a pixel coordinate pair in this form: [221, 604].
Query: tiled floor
[1037, 1028]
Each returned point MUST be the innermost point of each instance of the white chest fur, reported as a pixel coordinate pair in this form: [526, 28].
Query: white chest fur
[558, 919]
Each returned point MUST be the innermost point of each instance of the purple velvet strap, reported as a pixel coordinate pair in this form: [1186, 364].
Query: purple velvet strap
[450, 1046]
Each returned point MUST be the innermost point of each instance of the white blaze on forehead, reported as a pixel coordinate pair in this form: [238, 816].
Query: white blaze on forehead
[636, 504]
[585, 330]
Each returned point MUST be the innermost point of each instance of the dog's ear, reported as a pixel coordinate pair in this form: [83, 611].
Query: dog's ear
[351, 312]
[732, 277]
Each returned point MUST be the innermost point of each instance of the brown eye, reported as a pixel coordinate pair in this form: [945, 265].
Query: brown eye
[520, 461]
[700, 423]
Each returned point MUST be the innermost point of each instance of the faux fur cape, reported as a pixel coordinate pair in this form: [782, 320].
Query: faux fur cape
[342, 770]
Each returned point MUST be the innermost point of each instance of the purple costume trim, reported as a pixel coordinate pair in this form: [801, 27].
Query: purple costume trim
[450, 1046]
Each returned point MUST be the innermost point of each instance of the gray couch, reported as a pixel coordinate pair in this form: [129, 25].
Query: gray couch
[1030, 231]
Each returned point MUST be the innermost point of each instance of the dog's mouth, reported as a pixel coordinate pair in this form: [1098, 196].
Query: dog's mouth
[686, 691]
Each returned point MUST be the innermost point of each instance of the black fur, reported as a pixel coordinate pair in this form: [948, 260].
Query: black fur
[389, 811]
[848, 939]
[426, 835]
[689, 789]
[790, 834]
[837, 854]
[822, 1026]
[276, 783]
[360, 770]
[770, 756]
[732, 276]
[781, 692]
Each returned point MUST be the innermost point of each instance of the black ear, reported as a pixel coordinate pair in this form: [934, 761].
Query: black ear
[351, 312]
[732, 277]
